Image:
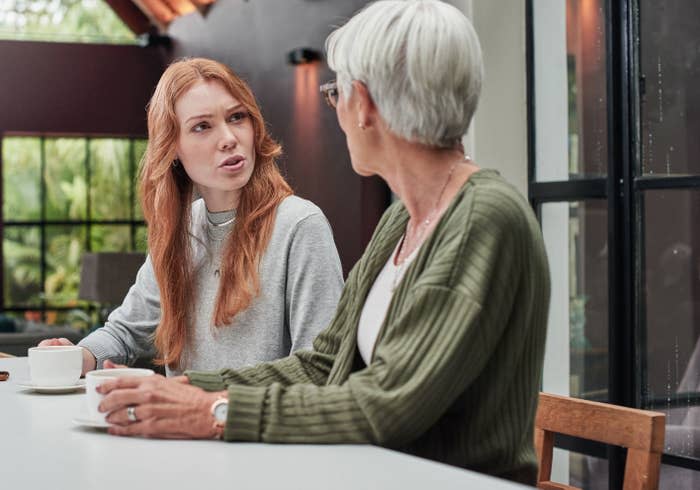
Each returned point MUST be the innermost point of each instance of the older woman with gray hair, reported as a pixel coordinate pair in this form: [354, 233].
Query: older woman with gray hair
[436, 347]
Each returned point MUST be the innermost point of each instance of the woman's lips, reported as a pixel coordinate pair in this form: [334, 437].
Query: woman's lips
[232, 164]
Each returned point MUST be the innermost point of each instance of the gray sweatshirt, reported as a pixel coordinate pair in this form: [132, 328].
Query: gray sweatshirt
[300, 284]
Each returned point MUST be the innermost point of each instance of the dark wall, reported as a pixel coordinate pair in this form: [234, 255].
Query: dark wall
[76, 88]
[254, 38]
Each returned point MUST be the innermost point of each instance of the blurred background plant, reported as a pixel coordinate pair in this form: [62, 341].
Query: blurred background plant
[577, 323]
[62, 20]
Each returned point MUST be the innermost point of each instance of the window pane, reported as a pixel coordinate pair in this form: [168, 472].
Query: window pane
[21, 167]
[671, 291]
[675, 478]
[141, 239]
[670, 96]
[110, 179]
[588, 472]
[65, 246]
[110, 238]
[22, 265]
[579, 470]
[576, 360]
[89, 21]
[139, 150]
[570, 94]
[66, 183]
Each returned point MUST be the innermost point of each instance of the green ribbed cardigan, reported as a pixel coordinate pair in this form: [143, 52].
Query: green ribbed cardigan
[457, 364]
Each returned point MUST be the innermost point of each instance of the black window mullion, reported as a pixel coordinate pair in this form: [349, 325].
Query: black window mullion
[88, 195]
[77, 222]
[645, 183]
[639, 225]
[531, 103]
[622, 317]
[568, 190]
[42, 227]
[132, 166]
[682, 461]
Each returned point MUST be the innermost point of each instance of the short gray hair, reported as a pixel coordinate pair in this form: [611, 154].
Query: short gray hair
[421, 62]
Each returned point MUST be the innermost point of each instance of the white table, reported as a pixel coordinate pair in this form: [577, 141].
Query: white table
[40, 448]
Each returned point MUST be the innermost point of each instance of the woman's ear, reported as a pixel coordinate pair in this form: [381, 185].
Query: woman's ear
[364, 105]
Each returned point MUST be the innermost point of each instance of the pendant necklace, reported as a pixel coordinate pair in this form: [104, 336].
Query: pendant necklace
[217, 232]
[420, 231]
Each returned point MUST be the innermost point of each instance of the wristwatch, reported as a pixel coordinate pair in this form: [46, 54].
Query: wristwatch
[219, 410]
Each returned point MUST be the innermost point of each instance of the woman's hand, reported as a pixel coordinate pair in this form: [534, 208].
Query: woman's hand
[89, 361]
[55, 342]
[164, 408]
[113, 365]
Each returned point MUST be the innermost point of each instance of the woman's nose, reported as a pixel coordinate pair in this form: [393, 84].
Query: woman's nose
[228, 138]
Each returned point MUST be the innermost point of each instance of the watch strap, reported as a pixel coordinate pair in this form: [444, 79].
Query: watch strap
[219, 425]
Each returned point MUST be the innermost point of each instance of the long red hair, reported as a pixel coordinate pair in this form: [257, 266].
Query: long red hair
[166, 197]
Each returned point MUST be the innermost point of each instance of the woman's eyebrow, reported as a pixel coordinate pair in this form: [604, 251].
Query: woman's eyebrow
[203, 116]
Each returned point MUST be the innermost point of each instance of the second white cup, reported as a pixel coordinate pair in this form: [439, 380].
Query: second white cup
[95, 378]
[56, 365]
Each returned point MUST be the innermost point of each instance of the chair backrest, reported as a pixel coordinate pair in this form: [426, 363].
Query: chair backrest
[640, 431]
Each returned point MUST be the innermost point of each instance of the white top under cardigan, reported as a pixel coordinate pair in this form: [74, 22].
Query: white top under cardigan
[377, 302]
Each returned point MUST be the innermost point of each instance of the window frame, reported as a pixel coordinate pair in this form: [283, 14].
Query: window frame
[44, 306]
[623, 188]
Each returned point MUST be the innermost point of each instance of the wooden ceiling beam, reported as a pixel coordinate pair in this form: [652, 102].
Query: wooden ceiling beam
[141, 15]
[131, 15]
[182, 7]
[158, 11]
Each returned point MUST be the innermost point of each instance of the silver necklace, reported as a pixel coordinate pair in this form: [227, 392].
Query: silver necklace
[418, 235]
[215, 231]
[225, 223]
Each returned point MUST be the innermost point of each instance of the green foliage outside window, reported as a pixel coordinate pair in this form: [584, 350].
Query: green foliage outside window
[91, 21]
[83, 201]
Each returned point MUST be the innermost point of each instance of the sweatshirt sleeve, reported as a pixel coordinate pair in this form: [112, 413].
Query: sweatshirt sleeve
[314, 280]
[127, 334]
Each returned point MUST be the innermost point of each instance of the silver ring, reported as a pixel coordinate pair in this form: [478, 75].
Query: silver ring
[131, 414]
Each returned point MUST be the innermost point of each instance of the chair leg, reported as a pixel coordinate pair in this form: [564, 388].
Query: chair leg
[544, 444]
[642, 470]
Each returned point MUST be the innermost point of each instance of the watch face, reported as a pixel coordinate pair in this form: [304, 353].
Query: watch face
[221, 411]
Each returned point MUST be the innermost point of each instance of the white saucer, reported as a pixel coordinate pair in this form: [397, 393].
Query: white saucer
[85, 421]
[27, 384]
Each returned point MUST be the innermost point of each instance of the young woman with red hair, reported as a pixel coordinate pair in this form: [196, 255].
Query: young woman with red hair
[244, 274]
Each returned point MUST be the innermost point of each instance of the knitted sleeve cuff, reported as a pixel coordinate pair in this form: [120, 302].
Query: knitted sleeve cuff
[245, 412]
[207, 380]
[98, 344]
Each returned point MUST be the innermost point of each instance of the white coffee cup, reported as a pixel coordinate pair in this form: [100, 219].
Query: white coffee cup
[56, 365]
[93, 379]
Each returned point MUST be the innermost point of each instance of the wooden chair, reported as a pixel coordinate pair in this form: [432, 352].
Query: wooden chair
[3, 355]
[640, 431]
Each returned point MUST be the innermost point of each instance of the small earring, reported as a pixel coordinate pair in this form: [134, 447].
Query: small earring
[361, 126]
[176, 162]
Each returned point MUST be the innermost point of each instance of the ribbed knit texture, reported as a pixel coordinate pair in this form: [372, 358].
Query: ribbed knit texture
[457, 363]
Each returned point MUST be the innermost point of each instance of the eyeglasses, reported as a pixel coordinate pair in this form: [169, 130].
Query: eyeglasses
[330, 93]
